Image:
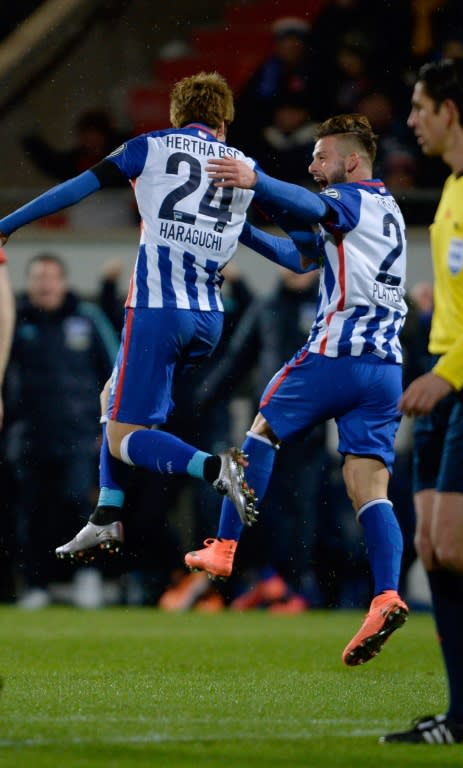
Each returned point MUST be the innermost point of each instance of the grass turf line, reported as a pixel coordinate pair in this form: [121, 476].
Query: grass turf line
[128, 687]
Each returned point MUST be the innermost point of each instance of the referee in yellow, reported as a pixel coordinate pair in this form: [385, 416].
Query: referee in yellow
[436, 398]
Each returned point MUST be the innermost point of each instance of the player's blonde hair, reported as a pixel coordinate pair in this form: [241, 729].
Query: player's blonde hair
[204, 98]
[353, 128]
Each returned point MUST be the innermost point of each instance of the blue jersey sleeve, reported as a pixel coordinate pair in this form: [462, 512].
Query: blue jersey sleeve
[282, 250]
[344, 200]
[130, 158]
[53, 200]
[286, 199]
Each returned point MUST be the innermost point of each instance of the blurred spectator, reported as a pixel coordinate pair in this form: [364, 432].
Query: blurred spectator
[110, 298]
[288, 74]
[7, 319]
[416, 331]
[354, 75]
[94, 137]
[396, 160]
[62, 354]
[381, 26]
[437, 31]
[288, 141]
[422, 42]
[447, 23]
[452, 47]
[422, 296]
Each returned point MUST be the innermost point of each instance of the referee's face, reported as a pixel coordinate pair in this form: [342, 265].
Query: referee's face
[429, 121]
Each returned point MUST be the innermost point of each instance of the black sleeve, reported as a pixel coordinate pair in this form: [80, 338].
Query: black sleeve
[108, 174]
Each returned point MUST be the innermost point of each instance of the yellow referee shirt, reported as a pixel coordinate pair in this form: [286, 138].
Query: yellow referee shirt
[446, 337]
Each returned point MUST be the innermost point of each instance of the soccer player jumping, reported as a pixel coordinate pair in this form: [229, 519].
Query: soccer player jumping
[350, 367]
[174, 311]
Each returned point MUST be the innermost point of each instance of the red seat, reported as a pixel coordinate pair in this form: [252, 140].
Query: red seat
[234, 49]
[236, 69]
[234, 40]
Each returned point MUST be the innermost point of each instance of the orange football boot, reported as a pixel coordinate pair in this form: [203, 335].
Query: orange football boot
[387, 613]
[216, 558]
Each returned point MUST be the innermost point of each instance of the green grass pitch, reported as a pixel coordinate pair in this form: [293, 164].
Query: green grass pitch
[128, 687]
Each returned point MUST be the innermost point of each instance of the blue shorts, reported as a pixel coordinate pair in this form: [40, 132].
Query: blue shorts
[360, 393]
[438, 446]
[156, 344]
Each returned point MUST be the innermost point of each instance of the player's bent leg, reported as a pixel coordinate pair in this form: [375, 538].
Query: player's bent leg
[163, 452]
[104, 530]
[365, 479]
[231, 482]
[216, 558]
[116, 431]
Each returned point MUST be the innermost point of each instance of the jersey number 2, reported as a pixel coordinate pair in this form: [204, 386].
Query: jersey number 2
[383, 275]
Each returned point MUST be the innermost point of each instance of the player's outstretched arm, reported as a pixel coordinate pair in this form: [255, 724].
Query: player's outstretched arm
[306, 206]
[299, 258]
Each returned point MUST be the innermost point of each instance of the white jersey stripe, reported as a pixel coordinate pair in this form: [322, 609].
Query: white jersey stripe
[190, 227]
[362, 279]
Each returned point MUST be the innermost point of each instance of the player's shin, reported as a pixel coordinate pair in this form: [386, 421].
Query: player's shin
[384, 541]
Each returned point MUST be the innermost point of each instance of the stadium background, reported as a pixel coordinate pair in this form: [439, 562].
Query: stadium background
[120, 687]
[114, 54]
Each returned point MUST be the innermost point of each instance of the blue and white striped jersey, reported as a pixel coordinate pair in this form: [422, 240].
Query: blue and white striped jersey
[361, 306]
[189, 227]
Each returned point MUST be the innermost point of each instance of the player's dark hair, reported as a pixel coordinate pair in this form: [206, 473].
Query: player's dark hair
[203, 98]
[443, 80]
[355, 127]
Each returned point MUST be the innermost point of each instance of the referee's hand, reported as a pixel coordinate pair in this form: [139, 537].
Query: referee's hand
[423, 394]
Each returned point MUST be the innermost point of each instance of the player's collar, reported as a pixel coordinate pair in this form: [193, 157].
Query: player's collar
[201, 127]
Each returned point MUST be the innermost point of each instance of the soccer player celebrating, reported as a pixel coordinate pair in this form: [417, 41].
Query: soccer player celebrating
[174, 311]
[350, 367]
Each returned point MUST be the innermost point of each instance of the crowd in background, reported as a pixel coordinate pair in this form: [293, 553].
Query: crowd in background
[305, 551]
[358, 56]
[355, 56]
